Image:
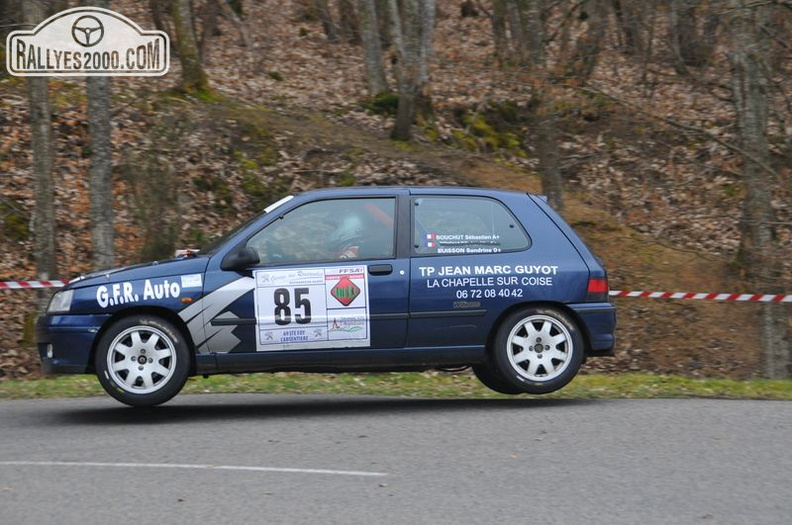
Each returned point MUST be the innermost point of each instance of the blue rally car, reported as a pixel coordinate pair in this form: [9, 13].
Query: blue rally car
[354, 279]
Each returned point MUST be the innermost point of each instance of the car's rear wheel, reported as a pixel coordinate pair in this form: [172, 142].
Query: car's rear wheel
[538, 350]
[142, 360]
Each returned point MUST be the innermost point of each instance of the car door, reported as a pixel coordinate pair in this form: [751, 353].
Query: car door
[329, 277]
[458, 242]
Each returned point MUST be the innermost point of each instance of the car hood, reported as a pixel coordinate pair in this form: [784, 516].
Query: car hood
[152, 270]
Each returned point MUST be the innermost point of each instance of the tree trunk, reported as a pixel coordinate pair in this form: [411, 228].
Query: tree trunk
[348, 21]
[692, 47]
[158, 8]
[413, 30]
[629, 16]
[534, 34]
[326, 17]
[516, 17]
[9, 18]
[33, 12]
[757, 244]
[101, 169]
[232, 15]
[548, 153]
[372, 48]
[589, 45]
[194, 79]
[208, 15]
[546, 117]
[101, 173]
[499, 34]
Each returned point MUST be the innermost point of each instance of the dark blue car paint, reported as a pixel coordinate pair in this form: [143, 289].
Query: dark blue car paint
[414, 324]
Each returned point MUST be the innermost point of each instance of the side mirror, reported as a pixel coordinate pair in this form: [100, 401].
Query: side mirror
[240, 258]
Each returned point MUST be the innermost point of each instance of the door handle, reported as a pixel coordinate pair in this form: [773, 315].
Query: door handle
[380, 269]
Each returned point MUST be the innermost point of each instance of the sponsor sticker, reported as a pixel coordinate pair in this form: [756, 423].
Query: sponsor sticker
[191, 281]
[312, 308]
[129, 292]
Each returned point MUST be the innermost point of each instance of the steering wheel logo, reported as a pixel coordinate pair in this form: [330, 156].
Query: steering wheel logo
[87, 31]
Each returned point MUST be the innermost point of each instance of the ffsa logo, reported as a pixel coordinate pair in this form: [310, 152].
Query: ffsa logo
[87, 41]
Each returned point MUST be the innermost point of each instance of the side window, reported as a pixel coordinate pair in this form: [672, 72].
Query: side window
[462, 225]
[329, 230]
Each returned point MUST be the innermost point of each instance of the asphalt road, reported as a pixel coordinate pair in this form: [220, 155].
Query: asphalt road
[329, 459]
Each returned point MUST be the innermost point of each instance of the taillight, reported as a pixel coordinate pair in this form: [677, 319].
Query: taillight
[597, 289]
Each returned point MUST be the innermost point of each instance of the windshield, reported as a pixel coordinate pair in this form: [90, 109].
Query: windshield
[219, 241]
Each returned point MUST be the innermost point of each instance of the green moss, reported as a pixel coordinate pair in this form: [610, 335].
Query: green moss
[207, 95]
[224, 197]
[431, 132]
[65, 94]
[348, 178]
[464, 140]
[248, 164]
[29, 330]
[481, 135]
[254, 130]
[275, 75]
[385, 104]
[197, 237]
[260, 191]
[733, 189]
[268, 156]
[15, 224]
[403, 146]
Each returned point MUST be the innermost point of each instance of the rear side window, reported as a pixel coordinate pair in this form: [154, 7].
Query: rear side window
[465, 225]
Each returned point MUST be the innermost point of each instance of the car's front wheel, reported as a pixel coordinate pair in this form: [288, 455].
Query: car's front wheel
[142, 360]
[538, 350]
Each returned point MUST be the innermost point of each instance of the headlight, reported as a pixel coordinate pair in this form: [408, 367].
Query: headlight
[60, 302]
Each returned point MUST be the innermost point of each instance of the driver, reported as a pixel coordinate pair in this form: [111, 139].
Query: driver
[345, 241]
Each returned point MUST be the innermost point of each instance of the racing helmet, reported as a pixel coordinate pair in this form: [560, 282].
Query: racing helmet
[348, 232]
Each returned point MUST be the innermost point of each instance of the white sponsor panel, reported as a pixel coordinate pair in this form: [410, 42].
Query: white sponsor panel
[191, 281]
[312, 308]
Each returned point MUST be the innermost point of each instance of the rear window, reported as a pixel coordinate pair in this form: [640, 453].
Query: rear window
[465, 225]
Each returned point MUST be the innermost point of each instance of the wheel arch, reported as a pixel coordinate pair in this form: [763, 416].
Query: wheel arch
[163, 313]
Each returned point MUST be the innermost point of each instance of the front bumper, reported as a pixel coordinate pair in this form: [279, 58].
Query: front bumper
[65, 342]
[598, 321]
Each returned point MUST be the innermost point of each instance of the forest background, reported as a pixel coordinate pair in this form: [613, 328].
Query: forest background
[661, 130]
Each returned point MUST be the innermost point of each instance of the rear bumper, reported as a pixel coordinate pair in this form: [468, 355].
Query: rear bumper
[65, 342]
[598, 321]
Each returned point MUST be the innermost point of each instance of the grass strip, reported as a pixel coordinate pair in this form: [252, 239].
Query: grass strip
[426, 385]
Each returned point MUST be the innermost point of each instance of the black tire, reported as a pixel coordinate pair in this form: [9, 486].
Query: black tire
[142, 360]
[538, 350]
[493, 381]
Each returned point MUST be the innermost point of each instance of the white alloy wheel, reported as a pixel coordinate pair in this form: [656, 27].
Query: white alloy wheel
[539, 348]
[141, 359]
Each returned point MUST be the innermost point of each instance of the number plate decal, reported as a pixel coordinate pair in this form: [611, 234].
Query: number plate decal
[302, 308]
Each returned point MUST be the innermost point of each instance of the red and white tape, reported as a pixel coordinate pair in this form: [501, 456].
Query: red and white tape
[764, 298]
[29, 285]
[781, 298]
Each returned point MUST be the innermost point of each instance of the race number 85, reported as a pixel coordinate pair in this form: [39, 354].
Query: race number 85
[283, 308]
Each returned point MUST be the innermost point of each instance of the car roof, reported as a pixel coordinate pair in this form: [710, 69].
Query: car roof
[357, 191]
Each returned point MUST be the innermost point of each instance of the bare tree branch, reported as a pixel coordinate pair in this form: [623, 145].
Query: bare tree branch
[687, 127]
